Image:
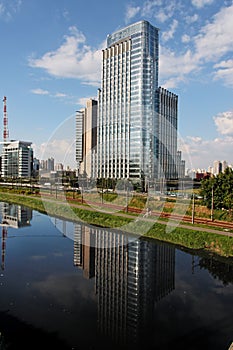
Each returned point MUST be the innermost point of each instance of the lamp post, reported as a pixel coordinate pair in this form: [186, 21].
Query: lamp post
[212, 204]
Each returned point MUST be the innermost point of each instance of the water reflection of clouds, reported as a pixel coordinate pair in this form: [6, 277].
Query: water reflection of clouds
[65, 289]
[161, 289]
[197, 319]
[38, 257]
[195, 306]
[219, 288]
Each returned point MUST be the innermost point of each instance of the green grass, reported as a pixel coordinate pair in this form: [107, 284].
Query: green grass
[218, 244]
[221, 245]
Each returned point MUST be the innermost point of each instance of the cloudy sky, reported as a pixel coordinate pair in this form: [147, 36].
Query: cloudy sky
[51, 63]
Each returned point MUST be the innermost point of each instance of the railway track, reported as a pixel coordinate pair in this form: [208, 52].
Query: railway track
[187, 218]
[171, 216]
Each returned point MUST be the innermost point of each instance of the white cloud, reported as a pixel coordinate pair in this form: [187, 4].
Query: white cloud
[46, 92]
[131, 12]
[213, 42]
[59, 95]
[62, 150]
[40, 92]
[83, 100]
[149, 5]
[173, 68]
[73, 59]
[224, 123]
[162, 16]
[161, 10]
[199, 153]
[185, 39]
[9, 8]
[201, 3]
[191, 19]
[165, 12]
[169, 34]
[215, 38]
[224, 72]
[196, 139]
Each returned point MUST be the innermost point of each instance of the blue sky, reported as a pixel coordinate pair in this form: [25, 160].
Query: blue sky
[51, 63]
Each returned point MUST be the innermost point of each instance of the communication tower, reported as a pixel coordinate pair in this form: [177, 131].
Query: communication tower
[5, 122]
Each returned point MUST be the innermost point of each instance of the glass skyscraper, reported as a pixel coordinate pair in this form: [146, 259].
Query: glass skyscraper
[134, 140]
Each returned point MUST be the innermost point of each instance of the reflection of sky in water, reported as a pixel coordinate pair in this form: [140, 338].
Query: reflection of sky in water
[200, 309]
[162, 295]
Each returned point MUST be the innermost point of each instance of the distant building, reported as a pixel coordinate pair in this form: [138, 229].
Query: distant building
[219, 167]
[36, 166]
[224, 165]
[17, 159]
[47, 165]
[203, 175]
[86, 135]
[42, 164]
[59, 167]
[210, 169]
[180, 166]
[50, 164]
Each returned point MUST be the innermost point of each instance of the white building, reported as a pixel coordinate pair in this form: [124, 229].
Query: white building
[17, 159]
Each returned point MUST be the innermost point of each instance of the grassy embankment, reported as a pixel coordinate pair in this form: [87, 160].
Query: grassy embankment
[221, 245]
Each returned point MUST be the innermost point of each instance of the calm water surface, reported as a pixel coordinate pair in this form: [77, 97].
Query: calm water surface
[65, 285]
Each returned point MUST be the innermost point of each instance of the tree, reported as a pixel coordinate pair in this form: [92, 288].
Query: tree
[220, 188]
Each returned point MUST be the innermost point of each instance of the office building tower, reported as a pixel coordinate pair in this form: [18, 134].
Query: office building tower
[180, 166]
[86, 133]
[36, 167]
[59, 167]
[17, 159]
[137, 120]
[50, 164]
[224, 165]
[166, 119]
[217, 167]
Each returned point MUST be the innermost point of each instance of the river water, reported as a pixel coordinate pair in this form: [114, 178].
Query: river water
[67, 285]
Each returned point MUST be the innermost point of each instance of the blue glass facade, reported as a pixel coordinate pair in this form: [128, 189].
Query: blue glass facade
[128, 143]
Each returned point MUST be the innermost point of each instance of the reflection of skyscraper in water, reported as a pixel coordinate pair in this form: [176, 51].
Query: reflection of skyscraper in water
[131, 277]
[84, 251]
[151, 276]
[15, 216]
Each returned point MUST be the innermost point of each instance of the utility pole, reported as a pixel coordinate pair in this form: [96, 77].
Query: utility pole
[193, 209]
[212, 204]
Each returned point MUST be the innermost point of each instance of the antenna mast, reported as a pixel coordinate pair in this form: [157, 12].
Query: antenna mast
[5, 122]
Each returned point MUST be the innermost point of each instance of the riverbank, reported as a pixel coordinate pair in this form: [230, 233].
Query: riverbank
[193, 237]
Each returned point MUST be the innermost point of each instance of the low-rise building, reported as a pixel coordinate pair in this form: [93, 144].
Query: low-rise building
[17, 159]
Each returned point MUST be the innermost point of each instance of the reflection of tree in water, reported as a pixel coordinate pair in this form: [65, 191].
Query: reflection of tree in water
[17, 334]
[218, 269]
